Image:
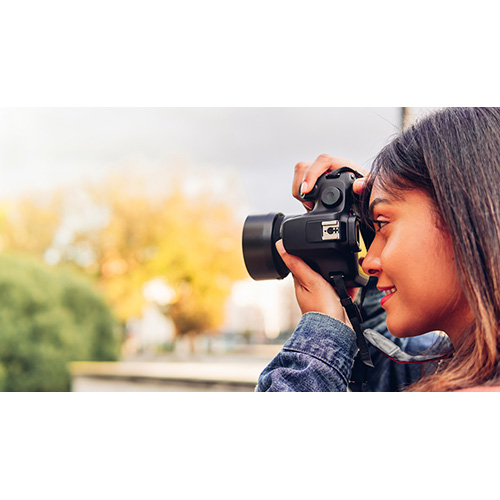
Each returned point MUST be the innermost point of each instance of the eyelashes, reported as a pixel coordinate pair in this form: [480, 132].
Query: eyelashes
[378, 225]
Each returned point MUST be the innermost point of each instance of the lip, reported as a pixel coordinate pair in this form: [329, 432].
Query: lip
[388, 295]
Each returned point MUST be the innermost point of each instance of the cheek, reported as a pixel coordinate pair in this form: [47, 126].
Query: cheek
[421, 248]
[398, 254]
[442, 257]
[427, 265]
[416, 266]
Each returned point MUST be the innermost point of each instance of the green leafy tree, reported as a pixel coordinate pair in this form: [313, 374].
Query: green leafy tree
[49, 318]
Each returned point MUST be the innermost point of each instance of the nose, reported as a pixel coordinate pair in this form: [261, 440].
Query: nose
[371, 264]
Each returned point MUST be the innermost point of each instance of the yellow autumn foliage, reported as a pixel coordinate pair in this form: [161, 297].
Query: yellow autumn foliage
[193, 243]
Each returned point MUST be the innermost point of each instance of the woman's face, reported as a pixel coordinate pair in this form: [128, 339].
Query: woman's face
[414, 262]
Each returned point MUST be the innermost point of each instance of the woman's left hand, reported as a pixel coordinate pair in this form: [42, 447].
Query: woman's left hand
[307, 173]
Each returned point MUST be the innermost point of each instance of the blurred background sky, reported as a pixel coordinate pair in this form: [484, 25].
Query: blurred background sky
[255, 149]
[188, 249]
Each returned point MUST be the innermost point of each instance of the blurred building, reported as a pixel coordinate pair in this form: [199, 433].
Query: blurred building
[264, 309]
[153, 328]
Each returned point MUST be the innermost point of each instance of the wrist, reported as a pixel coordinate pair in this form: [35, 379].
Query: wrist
[343, 318]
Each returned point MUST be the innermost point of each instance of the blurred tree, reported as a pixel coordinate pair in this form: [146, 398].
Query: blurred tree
[199, 252]
[191, 241]
[28, 225]
[194, 243]
[47, 319]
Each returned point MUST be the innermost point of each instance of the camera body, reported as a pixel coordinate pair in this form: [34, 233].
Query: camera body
[329, 238]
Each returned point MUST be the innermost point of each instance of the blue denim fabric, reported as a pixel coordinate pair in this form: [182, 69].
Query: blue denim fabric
[318, 357]
[320, 354]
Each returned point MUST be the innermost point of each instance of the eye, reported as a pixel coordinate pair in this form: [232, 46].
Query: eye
[379, 224]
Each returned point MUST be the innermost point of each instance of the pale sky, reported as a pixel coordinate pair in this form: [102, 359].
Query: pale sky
[46, 147]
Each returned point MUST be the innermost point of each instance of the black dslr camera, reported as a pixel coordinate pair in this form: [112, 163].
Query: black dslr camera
[329, 238]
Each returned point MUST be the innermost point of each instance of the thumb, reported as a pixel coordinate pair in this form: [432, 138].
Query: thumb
[359, 185]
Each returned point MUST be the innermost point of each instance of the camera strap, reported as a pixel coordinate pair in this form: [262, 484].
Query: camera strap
[363, 358]
[394, 352]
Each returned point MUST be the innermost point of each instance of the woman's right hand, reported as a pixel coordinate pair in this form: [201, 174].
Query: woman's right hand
[307, 173]
[313, 292]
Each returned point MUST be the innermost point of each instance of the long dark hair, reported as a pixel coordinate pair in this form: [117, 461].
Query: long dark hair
[454, 156]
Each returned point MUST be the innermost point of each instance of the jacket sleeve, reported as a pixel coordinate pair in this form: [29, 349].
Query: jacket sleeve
[318, 357]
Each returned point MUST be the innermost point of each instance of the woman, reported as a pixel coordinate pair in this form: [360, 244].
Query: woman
[433, 197]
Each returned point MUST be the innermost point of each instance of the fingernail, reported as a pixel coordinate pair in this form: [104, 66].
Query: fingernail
[303, 188]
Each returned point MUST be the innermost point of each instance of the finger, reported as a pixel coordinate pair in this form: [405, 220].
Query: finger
[300, 270]
[300, 168]
[359, 185]
[323, 163]
[298, 177]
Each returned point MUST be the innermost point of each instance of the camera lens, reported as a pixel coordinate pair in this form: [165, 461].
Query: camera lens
[262, 260]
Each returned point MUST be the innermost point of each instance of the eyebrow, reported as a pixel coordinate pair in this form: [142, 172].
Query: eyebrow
[374, 203]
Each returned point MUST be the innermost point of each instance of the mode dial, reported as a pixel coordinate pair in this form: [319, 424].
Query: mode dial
[331, 196]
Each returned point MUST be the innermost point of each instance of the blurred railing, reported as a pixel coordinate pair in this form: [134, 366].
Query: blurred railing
[166, 377]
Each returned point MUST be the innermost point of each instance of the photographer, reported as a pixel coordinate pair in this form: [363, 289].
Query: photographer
[436, 212]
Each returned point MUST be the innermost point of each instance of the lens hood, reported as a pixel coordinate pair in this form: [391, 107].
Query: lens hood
[262, 260]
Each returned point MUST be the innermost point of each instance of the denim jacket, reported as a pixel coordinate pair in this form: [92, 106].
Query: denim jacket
[319, 355]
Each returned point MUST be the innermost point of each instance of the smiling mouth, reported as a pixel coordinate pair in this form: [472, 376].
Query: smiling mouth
[388, 294]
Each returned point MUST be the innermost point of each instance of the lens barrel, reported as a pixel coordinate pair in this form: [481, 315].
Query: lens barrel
[262, 260]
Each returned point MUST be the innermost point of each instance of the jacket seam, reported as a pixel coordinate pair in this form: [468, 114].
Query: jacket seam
[318, 358]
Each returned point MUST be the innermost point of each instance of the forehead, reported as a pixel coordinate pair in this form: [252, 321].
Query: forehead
[407, 200]
[387, 190]
[384, 195]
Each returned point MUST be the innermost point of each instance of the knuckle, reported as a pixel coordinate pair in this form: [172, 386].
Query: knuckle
[324, 158]
[301, 166]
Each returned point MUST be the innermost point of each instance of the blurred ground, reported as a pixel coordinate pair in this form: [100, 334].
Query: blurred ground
[237, 371]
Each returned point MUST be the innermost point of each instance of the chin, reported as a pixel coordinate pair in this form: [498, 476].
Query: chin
[404, 330]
